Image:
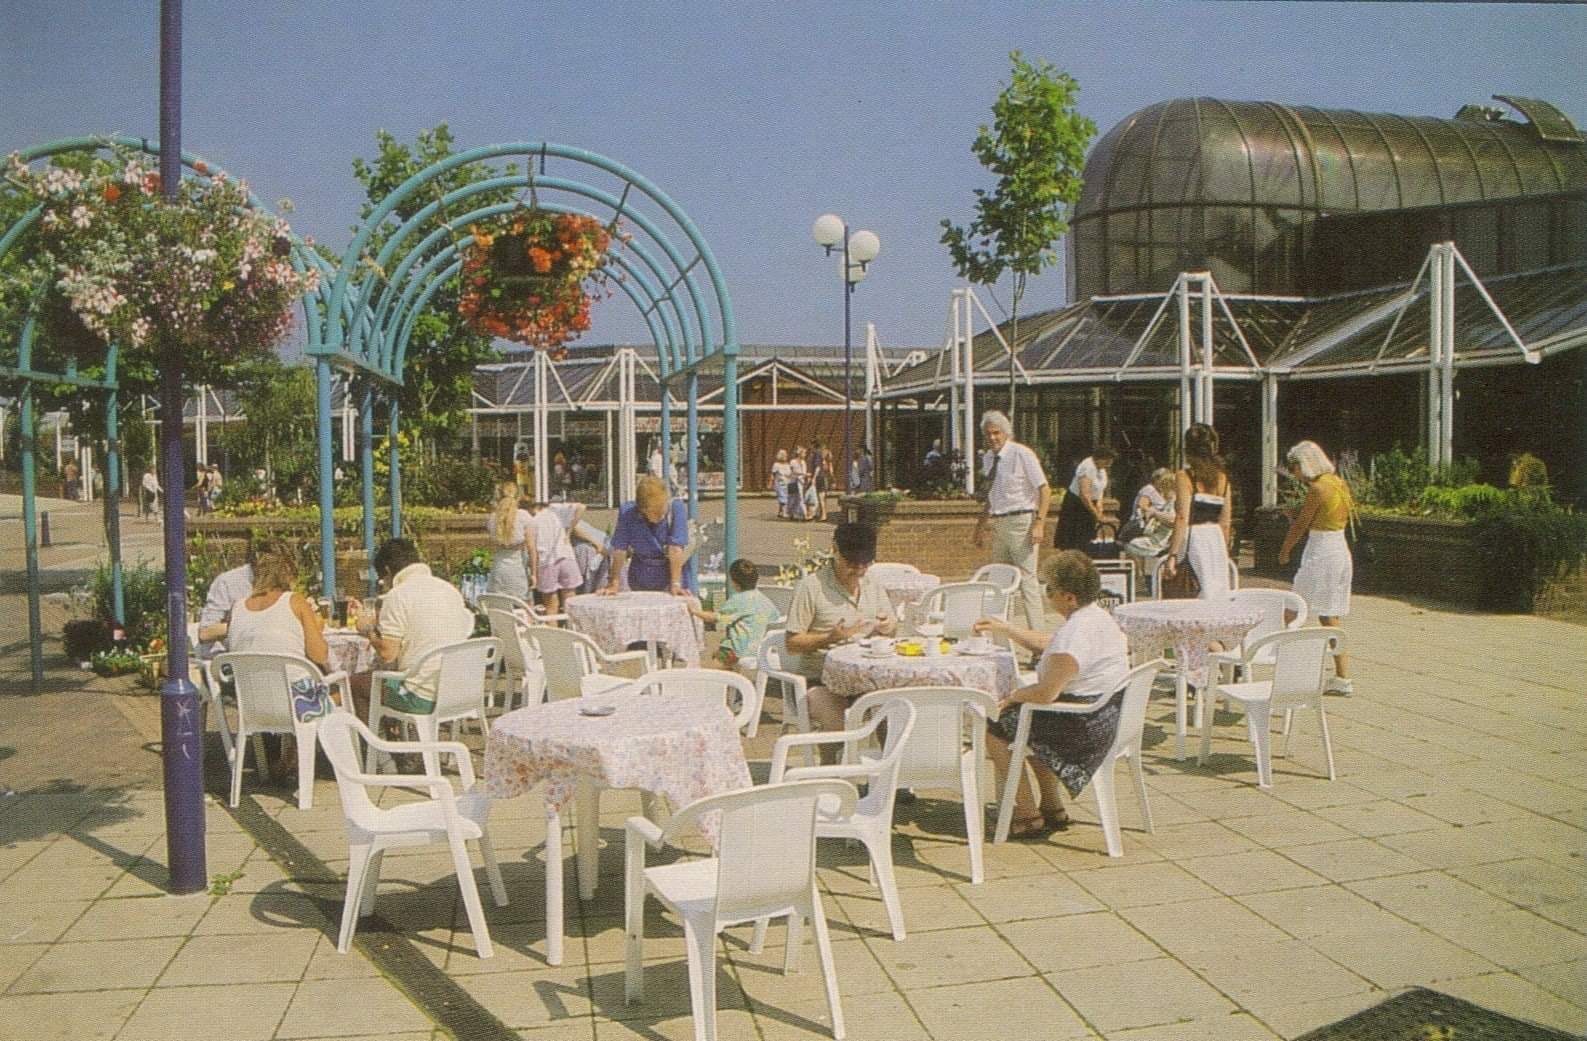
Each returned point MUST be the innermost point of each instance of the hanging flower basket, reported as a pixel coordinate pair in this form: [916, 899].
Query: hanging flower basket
[206, 275]
[527, 277]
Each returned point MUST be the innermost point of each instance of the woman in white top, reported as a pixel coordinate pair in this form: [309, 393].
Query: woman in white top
[275, 620]
[797, 478]
[553, 569]
[781, 470]
[1154, 518]
[508, 528]
[1087, 658]
[1203, 515]
[1081, 511]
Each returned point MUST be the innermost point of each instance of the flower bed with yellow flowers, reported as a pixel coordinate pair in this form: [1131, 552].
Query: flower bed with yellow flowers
[526, 276]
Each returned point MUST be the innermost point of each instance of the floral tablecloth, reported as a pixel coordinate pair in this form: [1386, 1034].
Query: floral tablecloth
[682, 748]
[1188, 626]
[350, 652]
[614, 622]
[851, 671]
[904, 591]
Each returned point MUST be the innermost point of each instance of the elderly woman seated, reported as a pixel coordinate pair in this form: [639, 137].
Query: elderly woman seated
[1085, 659]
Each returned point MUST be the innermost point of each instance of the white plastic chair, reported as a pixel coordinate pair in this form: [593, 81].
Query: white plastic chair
[263, 684]
[530, 612]
[448, 817]
[460, 691]
[520, 664]
[764, 868]
[768, 668]
[576, 665]
[935, 755]
[885, 571]
[872, 820]
[781, 598]
[1275, 604]
[1006, 577]
[1137, 687]
[717, 685]
[962, 604]
[1300, 675]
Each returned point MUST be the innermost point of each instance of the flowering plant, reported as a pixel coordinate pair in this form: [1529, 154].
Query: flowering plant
[524, 276]
[206, 274]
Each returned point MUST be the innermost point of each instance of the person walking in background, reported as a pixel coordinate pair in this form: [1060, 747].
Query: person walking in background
[933, 454]
[1326, 568]
[216, 483]
[781, 471]
[798, 479]
[553, 569]
[1203, 514]
[149, 493]
[820, 477]
[508, 527]
[1017, 500]
[69, 480]
[1081, 512]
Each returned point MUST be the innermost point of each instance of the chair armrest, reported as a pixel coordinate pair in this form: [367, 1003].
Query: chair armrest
[843, 771]
[551, 619]
[339, 676]
[624, 662]
[779, 752]
[797, 682]
[645, 830]
[1071, 707]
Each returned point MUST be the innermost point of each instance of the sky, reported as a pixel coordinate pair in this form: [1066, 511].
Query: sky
[756, 117]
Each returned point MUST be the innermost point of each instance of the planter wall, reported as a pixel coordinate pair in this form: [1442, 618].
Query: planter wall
[1439, 560]
[937, 536]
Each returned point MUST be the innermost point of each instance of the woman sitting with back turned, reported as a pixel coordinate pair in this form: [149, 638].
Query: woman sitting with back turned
[1085, 659]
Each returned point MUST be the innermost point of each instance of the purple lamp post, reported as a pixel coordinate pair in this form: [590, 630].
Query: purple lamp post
[182, 738]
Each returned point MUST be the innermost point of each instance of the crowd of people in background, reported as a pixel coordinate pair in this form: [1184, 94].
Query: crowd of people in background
[802, 480]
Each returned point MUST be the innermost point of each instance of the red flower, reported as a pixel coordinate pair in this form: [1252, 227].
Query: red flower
[112, 193]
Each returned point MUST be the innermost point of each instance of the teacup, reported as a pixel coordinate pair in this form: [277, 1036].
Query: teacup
[976, 645]
[880, 647]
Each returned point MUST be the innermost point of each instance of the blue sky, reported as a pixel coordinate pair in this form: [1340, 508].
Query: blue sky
[755, 116]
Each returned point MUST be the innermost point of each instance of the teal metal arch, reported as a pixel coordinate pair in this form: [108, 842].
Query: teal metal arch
[367, 315]
[29, 372]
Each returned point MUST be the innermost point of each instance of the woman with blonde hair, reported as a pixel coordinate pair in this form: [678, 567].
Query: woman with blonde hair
[275, 619]
[1203, 514]
[651, 540]
[508, 527]
[781, 471]
[1326, 569]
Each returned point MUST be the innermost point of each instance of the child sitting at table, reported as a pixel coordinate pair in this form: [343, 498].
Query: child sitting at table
[744, 616]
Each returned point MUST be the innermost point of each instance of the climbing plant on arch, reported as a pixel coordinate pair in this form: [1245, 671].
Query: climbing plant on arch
[662, 264]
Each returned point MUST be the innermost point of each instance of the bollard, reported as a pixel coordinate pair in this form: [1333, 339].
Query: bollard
[44, 528]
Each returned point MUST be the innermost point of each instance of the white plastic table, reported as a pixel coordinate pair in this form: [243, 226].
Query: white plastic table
[1189, 627]
[679, 747]
[616, 622]
[851, 671]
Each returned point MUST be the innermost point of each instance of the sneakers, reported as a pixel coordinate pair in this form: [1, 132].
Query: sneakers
[1340, 685]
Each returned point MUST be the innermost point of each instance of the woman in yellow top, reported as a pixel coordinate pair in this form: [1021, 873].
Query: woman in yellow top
[1326, 569]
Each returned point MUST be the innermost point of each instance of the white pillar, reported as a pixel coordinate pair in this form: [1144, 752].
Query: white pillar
[60, 420]
[1446, 414]
[542, 455]
[1186, 415]
[1204, 402]
[2, 433]
[1435, 342]
[201, 427]
[953, 380]
[968, 317]
[611, 462]
[872, 382]
[85, 466]
[1269, 439]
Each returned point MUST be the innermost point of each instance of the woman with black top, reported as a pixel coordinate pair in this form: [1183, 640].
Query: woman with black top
[1203, 514]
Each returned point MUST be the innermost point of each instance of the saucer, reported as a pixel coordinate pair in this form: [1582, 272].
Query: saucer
[597, 710]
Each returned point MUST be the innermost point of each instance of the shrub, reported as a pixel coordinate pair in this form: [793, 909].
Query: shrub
[143, 597]
[85, 637]
[1528, 471]
[459, 483]
[1524, 547]
[943, 478]
[1396, 479]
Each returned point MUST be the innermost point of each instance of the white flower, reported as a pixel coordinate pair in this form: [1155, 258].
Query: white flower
[132, 173]
[140, 330]
[49, 220]
[81, 216]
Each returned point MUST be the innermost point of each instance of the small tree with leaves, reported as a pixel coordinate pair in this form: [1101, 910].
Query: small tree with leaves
[1036, 147]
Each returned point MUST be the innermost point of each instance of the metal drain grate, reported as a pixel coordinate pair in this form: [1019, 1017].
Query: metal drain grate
[1426, 1015]
[449, 1006]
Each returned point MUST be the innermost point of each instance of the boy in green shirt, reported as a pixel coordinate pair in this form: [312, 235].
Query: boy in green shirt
[744, 616]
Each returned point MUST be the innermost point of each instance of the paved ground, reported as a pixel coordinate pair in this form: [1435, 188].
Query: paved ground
[1449, 853]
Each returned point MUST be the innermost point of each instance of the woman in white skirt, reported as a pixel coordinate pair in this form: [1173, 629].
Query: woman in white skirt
[508, 528]
[1326, 569]
[1203, 516]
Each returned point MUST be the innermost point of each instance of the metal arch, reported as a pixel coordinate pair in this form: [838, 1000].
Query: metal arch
[618, 207]
[729, 341]
[447, 232]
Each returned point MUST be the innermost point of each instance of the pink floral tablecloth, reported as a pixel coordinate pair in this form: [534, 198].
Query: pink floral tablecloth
[681, 748]
[350, 653]
[850, 671]
[905, 591]
[1188, 626]
[614, 622]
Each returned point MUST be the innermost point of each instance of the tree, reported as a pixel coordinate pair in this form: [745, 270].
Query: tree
[442, 353]
[1036, 147]
[275, 400]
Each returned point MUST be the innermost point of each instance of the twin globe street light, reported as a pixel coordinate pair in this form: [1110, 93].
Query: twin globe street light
[859, 249]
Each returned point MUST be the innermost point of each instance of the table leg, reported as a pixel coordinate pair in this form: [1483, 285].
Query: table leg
[587, 835]
[1181, 694]
[554, 925]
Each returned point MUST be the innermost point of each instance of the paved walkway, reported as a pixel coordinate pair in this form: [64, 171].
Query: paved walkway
[1449, 854]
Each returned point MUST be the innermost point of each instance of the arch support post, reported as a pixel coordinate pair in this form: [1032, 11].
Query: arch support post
[692, 449]
[322, 397]
[394, 461]
[729, 456]
[113, 500]
[967, 338]
[665, 428]
[366, 480]
[30, 534]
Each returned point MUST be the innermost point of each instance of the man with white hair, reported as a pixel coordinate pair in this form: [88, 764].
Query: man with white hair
[1017, 497]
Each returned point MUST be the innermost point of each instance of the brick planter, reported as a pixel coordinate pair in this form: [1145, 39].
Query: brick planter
[1440, 560]
[937, 536]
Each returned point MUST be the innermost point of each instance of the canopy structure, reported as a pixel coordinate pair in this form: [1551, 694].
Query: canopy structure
[395, 266]
[29, 367]
[1194, 336]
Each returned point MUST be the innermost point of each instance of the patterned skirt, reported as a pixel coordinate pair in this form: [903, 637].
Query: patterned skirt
[1072, 746]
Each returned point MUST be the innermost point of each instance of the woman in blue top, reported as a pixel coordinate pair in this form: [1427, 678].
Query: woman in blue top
[652, 538]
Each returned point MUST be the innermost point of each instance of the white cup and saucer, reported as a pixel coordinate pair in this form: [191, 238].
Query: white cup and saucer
[930, 629]
[976, 645]
[878, 647]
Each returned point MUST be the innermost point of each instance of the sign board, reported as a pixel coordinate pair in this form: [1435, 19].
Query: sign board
[1118, 583]
[680, 424]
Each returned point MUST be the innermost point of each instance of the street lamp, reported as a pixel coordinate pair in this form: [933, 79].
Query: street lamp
[859, 249]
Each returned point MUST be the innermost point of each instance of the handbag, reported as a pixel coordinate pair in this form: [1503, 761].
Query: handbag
[1182, 584]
